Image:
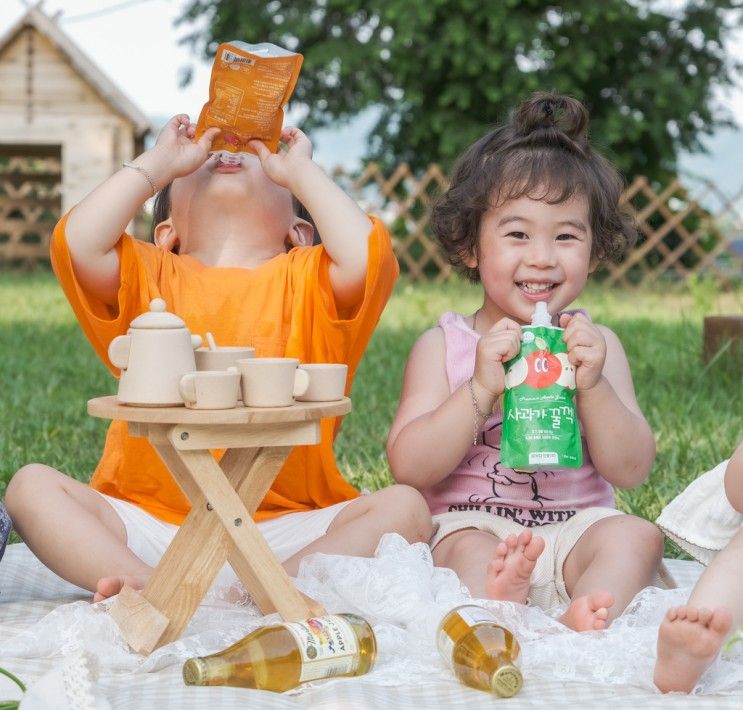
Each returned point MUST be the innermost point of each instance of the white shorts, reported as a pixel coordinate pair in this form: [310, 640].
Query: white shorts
[148, 537]
[700, 519]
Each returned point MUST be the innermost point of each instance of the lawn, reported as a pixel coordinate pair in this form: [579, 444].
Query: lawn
[50, 371]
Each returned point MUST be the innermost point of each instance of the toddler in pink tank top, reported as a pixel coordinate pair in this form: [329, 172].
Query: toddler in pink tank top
[530, 212]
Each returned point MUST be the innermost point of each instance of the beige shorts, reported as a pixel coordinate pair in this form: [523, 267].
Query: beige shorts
[547, 588]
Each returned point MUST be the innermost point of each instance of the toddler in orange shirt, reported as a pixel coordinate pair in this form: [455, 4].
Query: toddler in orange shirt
[232, 256]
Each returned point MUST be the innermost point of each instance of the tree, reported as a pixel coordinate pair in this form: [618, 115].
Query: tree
[442, 71]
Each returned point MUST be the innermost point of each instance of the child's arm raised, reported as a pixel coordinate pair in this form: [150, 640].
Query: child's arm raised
[619, 438]
[97, 222]
[343, 225]
[433, 428]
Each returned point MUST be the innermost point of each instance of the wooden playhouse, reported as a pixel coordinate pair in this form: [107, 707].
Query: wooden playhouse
[64, 127]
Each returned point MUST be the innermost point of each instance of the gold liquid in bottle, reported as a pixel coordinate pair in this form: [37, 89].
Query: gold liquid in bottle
[481, 653]
[282, 656]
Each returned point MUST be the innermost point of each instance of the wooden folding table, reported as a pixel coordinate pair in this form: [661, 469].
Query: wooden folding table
[223, 497]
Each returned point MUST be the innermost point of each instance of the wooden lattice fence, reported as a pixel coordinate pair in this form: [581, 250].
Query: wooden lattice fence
[687, 227]
[403, 200]
[30, 201]
[678, 235]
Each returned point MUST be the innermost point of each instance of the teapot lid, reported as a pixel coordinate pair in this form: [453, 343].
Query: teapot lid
[157, 317]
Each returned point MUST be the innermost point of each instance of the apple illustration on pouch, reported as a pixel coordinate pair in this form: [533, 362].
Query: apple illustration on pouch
[541, 369]
[516, 375]
[544, 369]
[567, 376]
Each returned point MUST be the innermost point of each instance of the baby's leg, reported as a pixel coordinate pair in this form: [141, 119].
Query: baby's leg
[489, 567]
[70, 527]
[691, 636]
[357, 529]
[612, 561]
[734, 479]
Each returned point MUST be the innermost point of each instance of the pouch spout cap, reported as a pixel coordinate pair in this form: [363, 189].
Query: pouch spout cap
[541, 316]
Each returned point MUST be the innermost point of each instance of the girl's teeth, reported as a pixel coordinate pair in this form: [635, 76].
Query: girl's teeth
[536, 288]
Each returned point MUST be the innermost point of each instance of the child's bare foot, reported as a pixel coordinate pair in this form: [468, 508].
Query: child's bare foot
[509, 573]
[110, 586]
[689, 640]
[588, 613]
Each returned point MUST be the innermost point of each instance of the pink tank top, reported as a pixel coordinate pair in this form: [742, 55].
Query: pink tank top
[480, 482]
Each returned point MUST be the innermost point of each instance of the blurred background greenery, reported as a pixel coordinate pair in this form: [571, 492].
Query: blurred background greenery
[696, 411]
[439, 73]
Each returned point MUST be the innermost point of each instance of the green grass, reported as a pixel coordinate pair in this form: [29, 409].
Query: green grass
[50, 371]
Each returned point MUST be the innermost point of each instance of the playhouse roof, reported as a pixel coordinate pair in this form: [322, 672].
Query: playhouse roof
[86, 68]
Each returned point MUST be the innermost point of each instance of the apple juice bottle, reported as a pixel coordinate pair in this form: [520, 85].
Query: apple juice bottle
[481, 653]
[281, 656]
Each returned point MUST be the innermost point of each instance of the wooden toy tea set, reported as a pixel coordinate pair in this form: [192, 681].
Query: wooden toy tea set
[157, 360]
[163, 365]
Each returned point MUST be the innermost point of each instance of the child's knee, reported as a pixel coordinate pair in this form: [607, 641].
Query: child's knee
[645, 537]
[411, 512]
[24, 488]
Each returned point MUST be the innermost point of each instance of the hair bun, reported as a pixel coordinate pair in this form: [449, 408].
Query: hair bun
[544, 111]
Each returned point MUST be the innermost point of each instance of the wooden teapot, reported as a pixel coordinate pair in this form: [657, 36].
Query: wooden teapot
[155, 353]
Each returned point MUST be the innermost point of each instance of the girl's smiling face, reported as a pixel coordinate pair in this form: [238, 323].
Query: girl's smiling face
[529, 251]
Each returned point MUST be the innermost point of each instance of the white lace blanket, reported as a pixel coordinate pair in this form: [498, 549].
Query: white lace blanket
[48, 626]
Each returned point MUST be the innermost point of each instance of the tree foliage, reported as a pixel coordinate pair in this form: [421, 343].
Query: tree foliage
[441, 72]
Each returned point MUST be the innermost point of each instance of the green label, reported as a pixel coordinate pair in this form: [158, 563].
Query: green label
[540, 424]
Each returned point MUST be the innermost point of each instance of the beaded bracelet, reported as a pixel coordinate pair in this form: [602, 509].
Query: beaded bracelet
[140, 169]
[477, 411]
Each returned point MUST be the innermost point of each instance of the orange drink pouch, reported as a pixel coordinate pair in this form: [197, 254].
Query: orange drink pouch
[250, 85]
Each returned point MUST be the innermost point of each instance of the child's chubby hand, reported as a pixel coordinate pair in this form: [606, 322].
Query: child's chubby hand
[283, 166]
[500, 344]
[586, 348]
[176, 150]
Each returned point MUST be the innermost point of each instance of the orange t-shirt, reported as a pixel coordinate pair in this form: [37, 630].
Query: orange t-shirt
[283, 308]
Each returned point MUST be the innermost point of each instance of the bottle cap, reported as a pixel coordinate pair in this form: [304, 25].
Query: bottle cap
[194, 672]
[541, 315]
[507, 681]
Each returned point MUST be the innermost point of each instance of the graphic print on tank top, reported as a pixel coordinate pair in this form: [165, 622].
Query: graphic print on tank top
[529, 498]
[499, 475]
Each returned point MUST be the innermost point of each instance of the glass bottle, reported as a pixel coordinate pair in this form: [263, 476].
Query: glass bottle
[281, 656]
[481, 653]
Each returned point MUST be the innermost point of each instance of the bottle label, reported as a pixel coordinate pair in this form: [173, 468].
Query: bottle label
[327, 644]
[472, 615]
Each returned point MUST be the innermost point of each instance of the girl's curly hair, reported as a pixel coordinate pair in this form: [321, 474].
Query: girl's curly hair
[543, 152]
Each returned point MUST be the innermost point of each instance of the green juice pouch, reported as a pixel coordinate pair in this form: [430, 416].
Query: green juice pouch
[540, 424]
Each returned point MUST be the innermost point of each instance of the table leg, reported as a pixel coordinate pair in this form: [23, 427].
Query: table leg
[177, 584]
[253, 558]
[263, 469]
[250, 472]
[161, 611]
